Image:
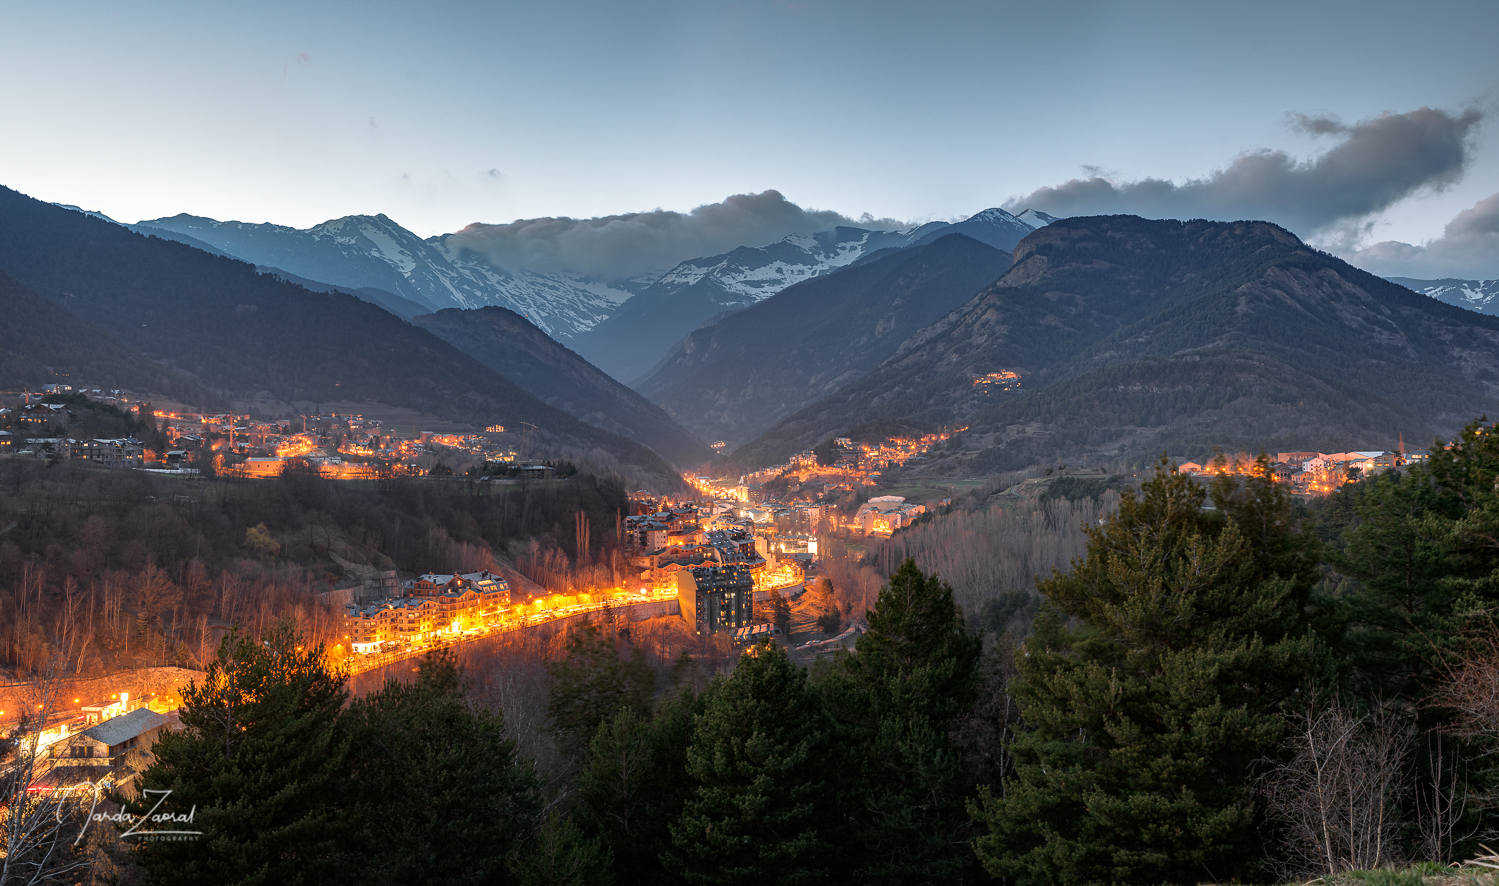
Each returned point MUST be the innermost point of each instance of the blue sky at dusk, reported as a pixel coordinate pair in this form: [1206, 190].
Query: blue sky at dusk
[441, 115]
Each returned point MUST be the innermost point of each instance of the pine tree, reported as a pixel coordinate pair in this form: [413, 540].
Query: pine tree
[592, 684]
[780, 614]
[1150, 687]
[1424, 553]
[761, 810]
[633, 786]
[559, 854]
[439, 795]
[896, 698]
[261, 759]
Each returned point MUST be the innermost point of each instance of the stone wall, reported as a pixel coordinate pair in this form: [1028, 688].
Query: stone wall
[142, 684]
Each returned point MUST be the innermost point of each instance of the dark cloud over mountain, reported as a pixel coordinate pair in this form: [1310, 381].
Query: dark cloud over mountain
[620, 246]
[1469, 247]
[1375, 163]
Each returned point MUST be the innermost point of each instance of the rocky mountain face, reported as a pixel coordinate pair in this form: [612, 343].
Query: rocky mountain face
[1475, 295]
[1130, 336]
[510, 345]
[362, 252]
[629, 344]
[734, 378]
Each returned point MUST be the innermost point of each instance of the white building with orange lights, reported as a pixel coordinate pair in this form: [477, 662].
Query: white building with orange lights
[432, 605]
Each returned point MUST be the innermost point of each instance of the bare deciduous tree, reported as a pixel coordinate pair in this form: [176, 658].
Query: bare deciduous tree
[1335, 798]
[1442, 802]
[41, 818]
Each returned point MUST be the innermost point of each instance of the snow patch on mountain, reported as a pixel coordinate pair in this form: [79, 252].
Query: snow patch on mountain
[1475, 295]
[1036, 218]
[748, 275]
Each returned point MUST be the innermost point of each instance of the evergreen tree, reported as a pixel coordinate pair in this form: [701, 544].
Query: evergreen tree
[1151, 686]
[1422, 548]
[439, 796]
[592, 684]
[761, 810]
[559, 854]
[261, 759]
[780, 614]
[633, 785]
[896, 698]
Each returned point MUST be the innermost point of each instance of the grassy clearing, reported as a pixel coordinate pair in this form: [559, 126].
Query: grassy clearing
[1420, 874]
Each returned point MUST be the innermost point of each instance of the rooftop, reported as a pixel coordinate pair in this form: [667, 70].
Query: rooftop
[118, 730]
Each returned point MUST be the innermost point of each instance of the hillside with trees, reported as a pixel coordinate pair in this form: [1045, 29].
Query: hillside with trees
[41, 343]
[110, 569]
[515, 348]
[1101, 313]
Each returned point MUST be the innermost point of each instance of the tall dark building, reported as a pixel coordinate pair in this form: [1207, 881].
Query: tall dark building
[716, 598]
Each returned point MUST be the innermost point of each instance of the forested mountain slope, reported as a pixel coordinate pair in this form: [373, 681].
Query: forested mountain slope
[514, 347]
[41, 343]
[247, 334]
[737, 377]
[1118, 306]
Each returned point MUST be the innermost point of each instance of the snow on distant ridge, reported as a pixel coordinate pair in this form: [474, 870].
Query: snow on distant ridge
[1036, 218]
[1475, 295]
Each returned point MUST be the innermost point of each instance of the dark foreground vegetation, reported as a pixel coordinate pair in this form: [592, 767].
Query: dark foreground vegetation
[1224, 687]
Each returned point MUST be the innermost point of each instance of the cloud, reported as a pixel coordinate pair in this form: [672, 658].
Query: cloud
[1468, 247]
[616, 247]
[1375, 163]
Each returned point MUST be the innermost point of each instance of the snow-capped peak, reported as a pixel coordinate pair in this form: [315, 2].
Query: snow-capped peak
[1036, 218]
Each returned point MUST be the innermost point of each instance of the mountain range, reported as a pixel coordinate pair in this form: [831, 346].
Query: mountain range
[634, 340]
[734, 378]
[1132, 336]
[365, 252]
[624, 327]
[1475, 295]
[1115, 336]
[247, 336]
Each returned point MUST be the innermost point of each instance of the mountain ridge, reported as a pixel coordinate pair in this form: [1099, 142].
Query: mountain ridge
[630, 344]
[1101, 294]
[374, 252]
[1481, 296]
[514, 347]
[736, 377]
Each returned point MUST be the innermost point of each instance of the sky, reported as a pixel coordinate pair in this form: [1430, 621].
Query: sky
[1367, 128]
